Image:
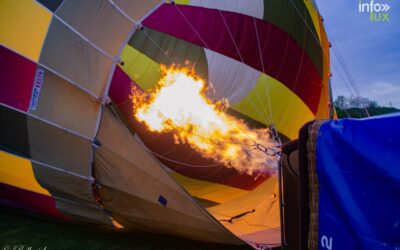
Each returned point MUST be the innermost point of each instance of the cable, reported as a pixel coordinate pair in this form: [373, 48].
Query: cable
[341, 60]
[262, 66]
[346, 70]
[178, 162]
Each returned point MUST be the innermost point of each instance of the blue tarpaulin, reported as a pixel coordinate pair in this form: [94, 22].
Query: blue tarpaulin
[358, 168]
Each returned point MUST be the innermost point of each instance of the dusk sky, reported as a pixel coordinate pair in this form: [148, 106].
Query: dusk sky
[370, 49]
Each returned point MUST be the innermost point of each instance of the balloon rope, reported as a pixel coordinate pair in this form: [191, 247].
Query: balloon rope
[345, 68]
[179, 162]
[231, 36]
[191, 26]
[263, 69]
[158, 46]
[337, 54]
[262, 64]
[265, 113]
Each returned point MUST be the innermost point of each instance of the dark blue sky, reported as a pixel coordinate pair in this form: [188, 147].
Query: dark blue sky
[370, 49]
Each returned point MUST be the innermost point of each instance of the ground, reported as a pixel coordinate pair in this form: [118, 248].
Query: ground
[19, 230]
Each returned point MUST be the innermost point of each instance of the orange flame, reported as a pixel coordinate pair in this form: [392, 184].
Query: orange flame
[178, 104]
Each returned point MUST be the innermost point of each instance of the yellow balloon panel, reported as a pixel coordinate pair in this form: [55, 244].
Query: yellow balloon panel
[289, 112]
[141, 69]
[209, 190]
[183, 2]
[314, 16]
[18, 172]
[23, 26]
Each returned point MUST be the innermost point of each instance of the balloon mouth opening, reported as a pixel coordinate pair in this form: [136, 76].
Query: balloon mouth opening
[179, 105]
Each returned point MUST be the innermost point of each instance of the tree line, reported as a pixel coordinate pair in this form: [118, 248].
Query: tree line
[356, 107]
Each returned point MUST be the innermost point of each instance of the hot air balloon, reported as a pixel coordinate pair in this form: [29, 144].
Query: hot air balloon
[72, 149]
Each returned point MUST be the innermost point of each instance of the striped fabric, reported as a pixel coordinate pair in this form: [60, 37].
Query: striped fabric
[71, 149]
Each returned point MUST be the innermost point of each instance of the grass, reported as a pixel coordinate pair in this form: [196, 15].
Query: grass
[18, 229]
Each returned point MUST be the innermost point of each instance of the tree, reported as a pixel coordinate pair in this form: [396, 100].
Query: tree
[360, 102]
[373, 104]
[341, 102]
[355, 107]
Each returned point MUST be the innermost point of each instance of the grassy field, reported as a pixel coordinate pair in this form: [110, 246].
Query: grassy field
[18, 229]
